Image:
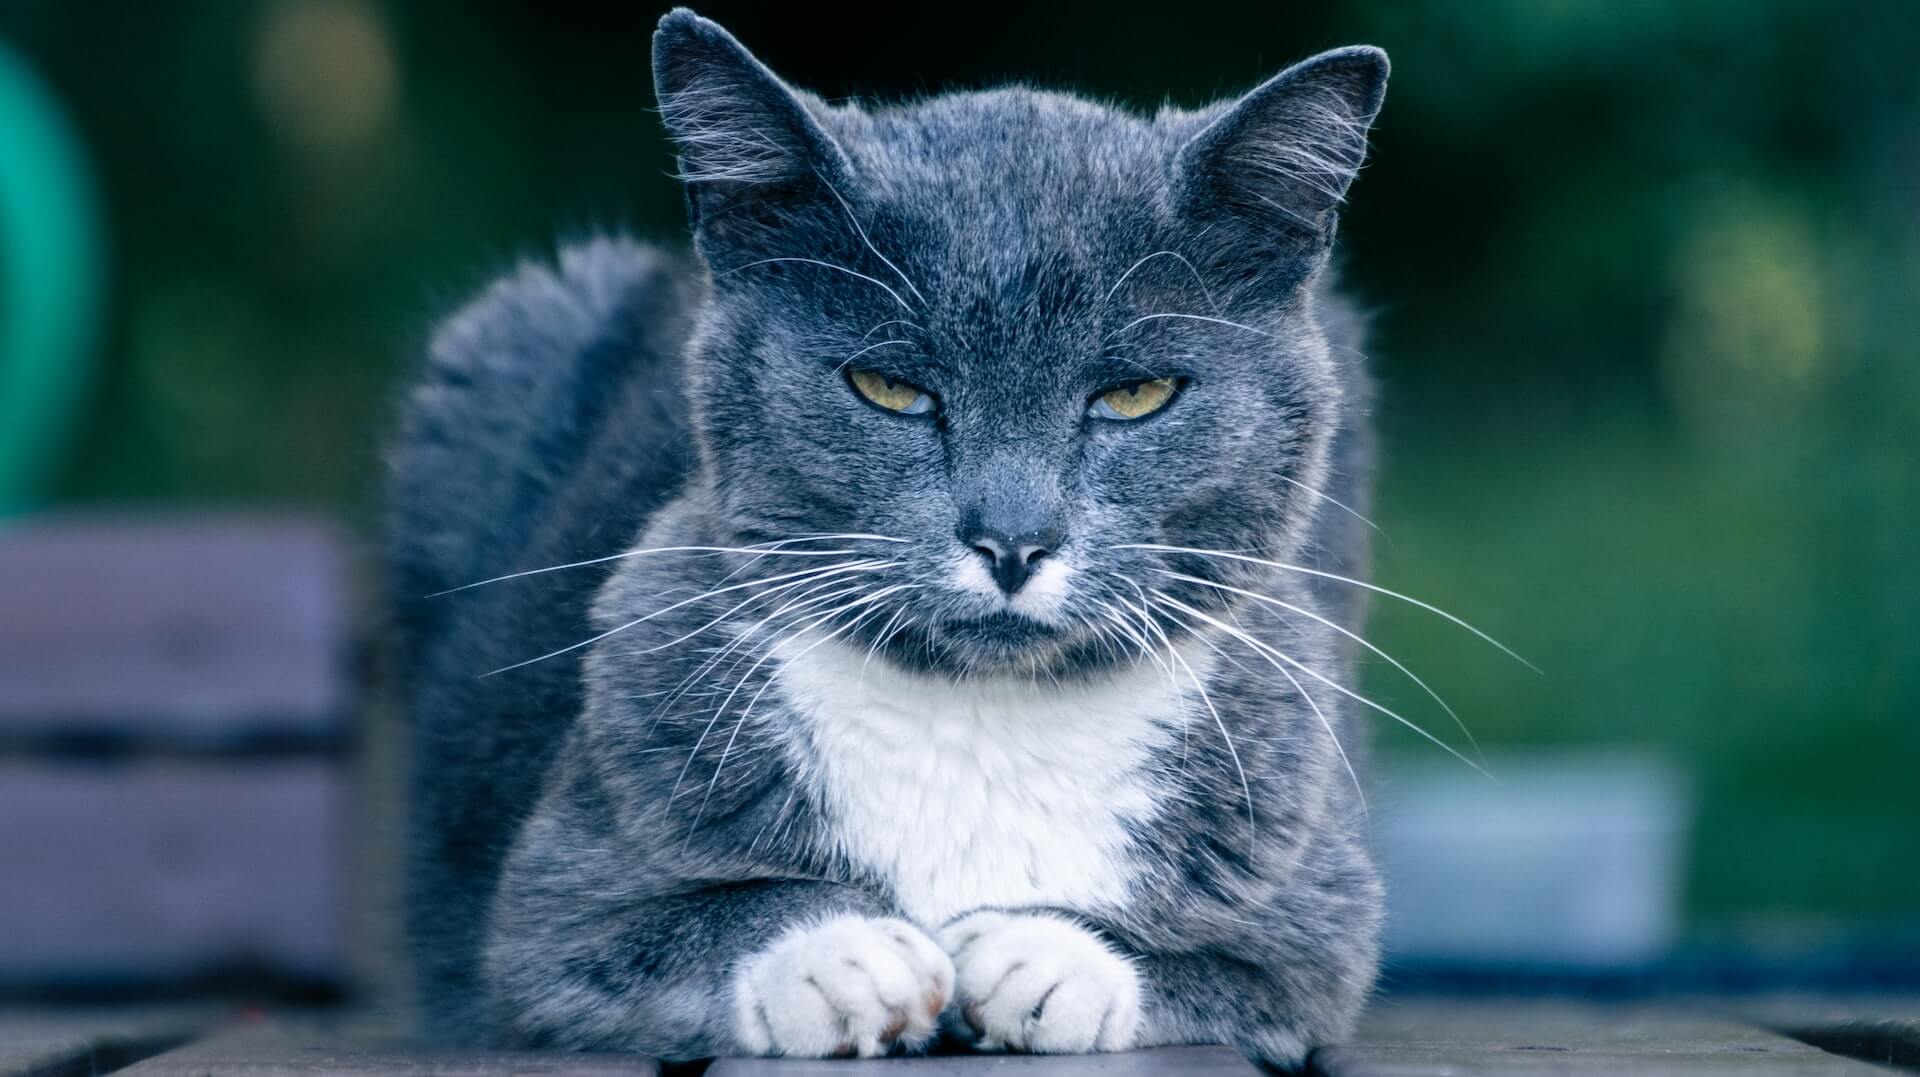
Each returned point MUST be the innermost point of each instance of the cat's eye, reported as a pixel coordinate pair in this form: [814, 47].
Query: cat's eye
[1135, 400]
[892, 394]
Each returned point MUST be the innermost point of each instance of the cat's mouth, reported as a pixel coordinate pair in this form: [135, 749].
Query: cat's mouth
[985, 641]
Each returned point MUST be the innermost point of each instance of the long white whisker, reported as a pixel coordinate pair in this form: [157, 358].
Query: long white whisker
[1355, 637]
[1201, 281]
[771, 652]
[753, 599]
[1265, 648]
[880, 284]
[762, 550]
[661, 611]
[865, 350]
[1334, 501]
[1189, 317]
[746, 712]
[855, 221]
[1430, 608]
[1246, 788]
[1332, 737]
[868, 335]
[880, 638]
[798, 604]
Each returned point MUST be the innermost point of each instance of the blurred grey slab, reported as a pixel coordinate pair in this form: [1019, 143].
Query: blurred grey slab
[162, 869]
[1194, 1061]
[273, 1048]
[195, 628]
[1880, 1028]
[49, 1043]
[1889, 1041]
[1415, 1039]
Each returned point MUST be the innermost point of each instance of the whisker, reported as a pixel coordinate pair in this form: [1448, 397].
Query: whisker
[878, 640]
[1197, 278]
[880, 284]
[1335, 502]
[1189, 317]
[750, 600]
[855, 221]
[865, 350]
[798, 605]
[1233, 753]
[1333, 738]
[1354, 636]
[864, 337]
[663, 610]
[1264, 648]
[747, 712]
[771, 652]
[762, 550]
[1144, 368]
[1430, 608]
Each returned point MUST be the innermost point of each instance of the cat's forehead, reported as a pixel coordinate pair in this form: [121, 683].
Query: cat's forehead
[1012, 159]
[1015, 196]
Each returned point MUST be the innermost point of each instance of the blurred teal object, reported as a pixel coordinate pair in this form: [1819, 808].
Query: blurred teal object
[49, 279]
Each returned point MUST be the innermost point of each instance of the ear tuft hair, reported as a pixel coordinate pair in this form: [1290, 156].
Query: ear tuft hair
[1284, 155]
[737, 125]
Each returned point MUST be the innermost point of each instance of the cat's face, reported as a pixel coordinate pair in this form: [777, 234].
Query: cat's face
[1015, 338]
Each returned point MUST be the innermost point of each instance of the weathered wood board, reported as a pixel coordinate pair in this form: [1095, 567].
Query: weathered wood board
[198, 629]
[1160, 1062]
[1519, 1038]
[149, 870]
[56, 1043]
[276, 1049]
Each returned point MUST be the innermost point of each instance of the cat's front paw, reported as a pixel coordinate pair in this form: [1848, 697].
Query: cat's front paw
[1042, 984]
[847, 986]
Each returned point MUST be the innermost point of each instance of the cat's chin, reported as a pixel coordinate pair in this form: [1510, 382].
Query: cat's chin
[996, 642]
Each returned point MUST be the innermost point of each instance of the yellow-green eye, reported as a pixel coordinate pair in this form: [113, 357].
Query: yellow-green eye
[882, 391]
[1135, 400]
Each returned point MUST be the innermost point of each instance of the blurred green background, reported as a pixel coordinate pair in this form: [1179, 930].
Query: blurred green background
[1646, 280]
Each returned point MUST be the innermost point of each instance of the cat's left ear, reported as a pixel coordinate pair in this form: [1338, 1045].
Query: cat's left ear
[747, 141]
[1281, 158]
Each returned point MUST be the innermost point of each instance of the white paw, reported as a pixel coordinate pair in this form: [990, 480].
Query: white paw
[1042, 984]
[847, 986]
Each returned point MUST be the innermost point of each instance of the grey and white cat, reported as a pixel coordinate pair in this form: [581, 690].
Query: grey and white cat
[926, 609]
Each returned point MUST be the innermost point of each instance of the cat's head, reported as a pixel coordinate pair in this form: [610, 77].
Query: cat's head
[1019, 334]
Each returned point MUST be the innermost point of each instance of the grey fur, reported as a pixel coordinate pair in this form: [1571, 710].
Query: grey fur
[573, 887]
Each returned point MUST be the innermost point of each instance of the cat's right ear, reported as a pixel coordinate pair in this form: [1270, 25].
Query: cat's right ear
[1279, 160]
[748, 145]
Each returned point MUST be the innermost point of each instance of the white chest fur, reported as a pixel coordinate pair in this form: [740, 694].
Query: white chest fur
[995, 792]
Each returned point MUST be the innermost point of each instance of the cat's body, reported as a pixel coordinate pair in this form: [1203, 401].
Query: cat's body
[799, 800]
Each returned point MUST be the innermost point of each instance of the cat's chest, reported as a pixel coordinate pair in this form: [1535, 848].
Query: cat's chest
[1002, 793]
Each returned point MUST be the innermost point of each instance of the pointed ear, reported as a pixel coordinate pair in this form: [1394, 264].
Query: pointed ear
[746, 140]
[1281, 158]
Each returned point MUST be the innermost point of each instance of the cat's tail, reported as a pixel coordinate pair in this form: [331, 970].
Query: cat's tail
[515, 384]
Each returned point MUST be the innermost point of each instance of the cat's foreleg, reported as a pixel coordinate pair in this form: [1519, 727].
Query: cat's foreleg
[777, 967]
[1051, 981]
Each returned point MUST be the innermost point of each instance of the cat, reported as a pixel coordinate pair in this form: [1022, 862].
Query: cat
[900, 618]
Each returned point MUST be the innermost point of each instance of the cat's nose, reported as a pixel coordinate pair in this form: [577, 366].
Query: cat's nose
[1011, 560]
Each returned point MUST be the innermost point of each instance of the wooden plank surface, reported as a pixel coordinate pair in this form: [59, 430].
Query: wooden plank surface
[1158, 1062]
[50, 1043]
[168, 869]
[1506, 1039]
[193, 629]
[281, 1049]
[1879, 1028]
[1513, 1039]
